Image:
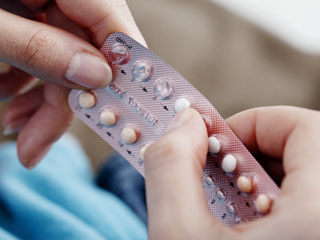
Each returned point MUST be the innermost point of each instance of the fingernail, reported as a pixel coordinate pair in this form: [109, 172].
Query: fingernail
[28, 87]
[37, 158]
[14, 126]
[88, 71]
[182, 118]
[9, 131]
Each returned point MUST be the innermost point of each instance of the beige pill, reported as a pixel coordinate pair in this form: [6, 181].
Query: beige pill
[143, 150]
[108, 118]
[263, 203]
[245, 184]
[128, 135]
[87, 100]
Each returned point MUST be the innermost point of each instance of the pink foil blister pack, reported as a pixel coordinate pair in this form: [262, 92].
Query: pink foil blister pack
[135, 110]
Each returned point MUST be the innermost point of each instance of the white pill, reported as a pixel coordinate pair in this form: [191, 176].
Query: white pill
[210, 181]
[87, 100]
[128, 135]
[263, 203]
[232, 208]
[229, 163]
[119, 54]
[245, 184]
[108, 118]
[180, 104]
[214, 145]
[221, 195]
[143, 150]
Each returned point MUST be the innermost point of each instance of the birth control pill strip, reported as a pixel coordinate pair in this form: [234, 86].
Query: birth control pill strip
[135, 110]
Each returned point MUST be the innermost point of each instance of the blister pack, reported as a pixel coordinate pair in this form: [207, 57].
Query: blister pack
[135, 110]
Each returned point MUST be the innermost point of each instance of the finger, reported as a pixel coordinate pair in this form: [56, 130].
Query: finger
[20, 110]
[173, 168]
[287, 133]
[35, 4]
[101, 17]
[14, 82]
[53, 118]
[56, 18]
[51, 54]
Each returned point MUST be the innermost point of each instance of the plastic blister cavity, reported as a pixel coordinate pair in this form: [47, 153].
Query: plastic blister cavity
[135, 110]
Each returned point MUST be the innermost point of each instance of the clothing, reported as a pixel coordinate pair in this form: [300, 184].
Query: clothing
[121, 178]
[59, 199]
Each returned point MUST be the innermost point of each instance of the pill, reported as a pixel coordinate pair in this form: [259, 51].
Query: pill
[143, 150]
[87, 100]
[214, 145]
[245, 184]
[263, 203]
[128, 135]
[210, 181]
[108, 118]
[142, 71]
[232, 208]
[229, 163]
[221, 195]
[240, 220]
[181, 104]
[163, 88]
[119, 54]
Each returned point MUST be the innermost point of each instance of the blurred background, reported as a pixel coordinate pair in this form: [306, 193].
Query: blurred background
[239, 54]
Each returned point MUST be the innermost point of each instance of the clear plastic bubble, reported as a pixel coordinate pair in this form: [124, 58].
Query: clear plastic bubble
[163, 88]
[119, 54]
[142, 71]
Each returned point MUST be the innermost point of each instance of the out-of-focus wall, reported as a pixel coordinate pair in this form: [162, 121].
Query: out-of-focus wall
[232, 62]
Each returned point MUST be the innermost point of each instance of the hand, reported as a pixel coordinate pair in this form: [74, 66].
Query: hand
[177, 206]
[63, 52]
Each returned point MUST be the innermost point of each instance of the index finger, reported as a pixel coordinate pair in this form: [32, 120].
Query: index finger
[281, 132]
[101, 17]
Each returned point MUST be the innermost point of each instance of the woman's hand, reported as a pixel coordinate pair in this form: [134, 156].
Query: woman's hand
[177, 206]
[61, 47]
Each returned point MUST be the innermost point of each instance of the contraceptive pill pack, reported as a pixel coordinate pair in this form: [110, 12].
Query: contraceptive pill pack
[135, 110]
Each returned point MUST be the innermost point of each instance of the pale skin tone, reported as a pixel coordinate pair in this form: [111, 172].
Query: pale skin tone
[41, 50]
[176, 202]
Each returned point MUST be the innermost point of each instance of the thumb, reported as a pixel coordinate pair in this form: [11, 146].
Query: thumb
[173, 168]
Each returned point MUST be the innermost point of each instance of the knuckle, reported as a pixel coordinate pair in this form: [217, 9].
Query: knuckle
[34, 46]
[167, 150]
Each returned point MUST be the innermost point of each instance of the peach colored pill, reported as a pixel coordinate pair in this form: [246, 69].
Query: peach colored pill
[263, 203]
[108, 118]
[128, 135]
[87, 100]
[245, 184]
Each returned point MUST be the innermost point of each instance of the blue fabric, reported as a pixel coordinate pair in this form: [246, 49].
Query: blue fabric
[121, 178]
[59, 199]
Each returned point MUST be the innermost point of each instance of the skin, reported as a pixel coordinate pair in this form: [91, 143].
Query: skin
[43, 50]
[173, 166]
